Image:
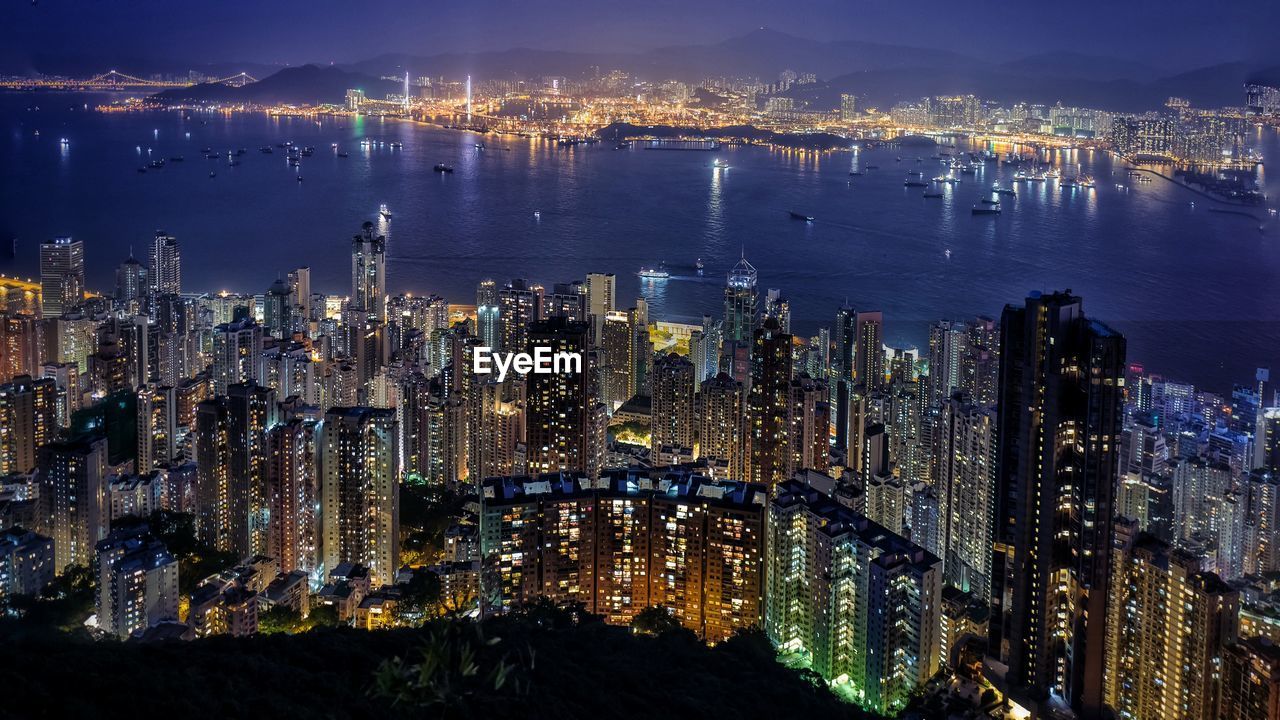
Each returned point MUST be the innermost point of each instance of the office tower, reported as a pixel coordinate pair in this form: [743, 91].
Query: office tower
[237, 350]
[487, 319]
[28, 420]
[617, 359]
[21, 342]
[166, 265]
[137, 583]
[1250, 681]
[73, 488]
[667, 537]
[1061, 404]
[293, 488]
[860, 602]
[157, 427]
[26, 562]
[251, 411]
[948, 348]
[61, 276]
[768, 404]
[369, 274]
[277, 310]
[601, 299]
[563, 419]
[740, 303]
[518, 305]
[299, 284]
[1169, 622]
[965, 472]
[704, 350]
[131, 286]
[808, 426]
[868, 363]
[359, 491]
[720, 412]
[777, 307]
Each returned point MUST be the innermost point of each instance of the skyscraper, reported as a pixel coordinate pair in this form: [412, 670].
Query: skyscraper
[617, 359]
[369, 273]
[251, 412]
[1061, 406]
[73, 488]
[28, 420]
[740, 301]
[166, 265]
[293, 482]
[487, 325]
[1168, 623]
[519, 304]
[565, 423]
[360, 492]
[868, 363]
[131, 285]
[237, 351]
[965, 467]
[672, 408]
[601, 298]
[137, 582]
[720, 413]
[769, 403]
[61, 276]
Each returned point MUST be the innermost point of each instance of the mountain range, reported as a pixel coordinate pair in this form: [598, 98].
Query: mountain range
[879, 74]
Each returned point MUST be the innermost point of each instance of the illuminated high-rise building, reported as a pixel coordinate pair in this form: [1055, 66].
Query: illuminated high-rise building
[237, 351]
[868, 362]
[137, 583]
[251, 412]
[965, 467]
[602, 289]
[1250, 680]
[157, 427]
[20, 344]
[131, 286]
[740, 301]
[720, 412]
[28, 420]
[859, 602]
[667, 537]
[1168, 624]
[166, 265]
[808, 426]
[73, 489]
[769, 402]
[360, 491]
[617, 358]
[369, 273]
[1061, 407]
[778, 307]
[487, 324]
[518, 308]
[293, 489]
[672, 408]
[564, 421]
[61, 276]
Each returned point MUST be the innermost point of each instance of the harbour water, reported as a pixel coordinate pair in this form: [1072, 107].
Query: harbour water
[1193, 290]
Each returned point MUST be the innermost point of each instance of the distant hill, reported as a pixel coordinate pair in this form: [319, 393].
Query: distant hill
[299, 85]
[1079, 65]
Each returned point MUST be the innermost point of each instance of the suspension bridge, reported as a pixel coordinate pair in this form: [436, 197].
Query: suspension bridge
[116, 80]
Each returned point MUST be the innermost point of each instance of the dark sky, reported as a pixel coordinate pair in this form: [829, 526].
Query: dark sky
[1169, 34]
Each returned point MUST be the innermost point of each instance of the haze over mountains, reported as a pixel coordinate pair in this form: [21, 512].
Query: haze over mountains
[880, 74]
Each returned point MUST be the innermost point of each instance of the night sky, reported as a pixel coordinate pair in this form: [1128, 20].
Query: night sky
[1172, 35]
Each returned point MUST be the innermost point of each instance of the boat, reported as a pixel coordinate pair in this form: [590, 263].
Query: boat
[947, 252]
[142, 169]
[914, 172]
[855, 173]
[915, 183]
[1004, 191]
[799, 216]
[157, 164]
[537, 214]
[720, 164]
[479, 146]
[442, 168]
[342, 154]
[299, 178]
[933, 195]
[397, 145]
[213, 174]
[176, 158]
[986, 210]
[989, 201]
[206, 151]
[872, 167]
[699, 266]
[384, 212]
[654, 274]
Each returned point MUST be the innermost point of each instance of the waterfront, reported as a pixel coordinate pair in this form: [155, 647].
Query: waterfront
[1188, 287]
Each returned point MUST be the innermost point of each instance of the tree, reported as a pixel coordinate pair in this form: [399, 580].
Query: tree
[655, 620]
[453, 677]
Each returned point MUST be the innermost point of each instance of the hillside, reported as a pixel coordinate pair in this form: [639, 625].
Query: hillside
[307, 84]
